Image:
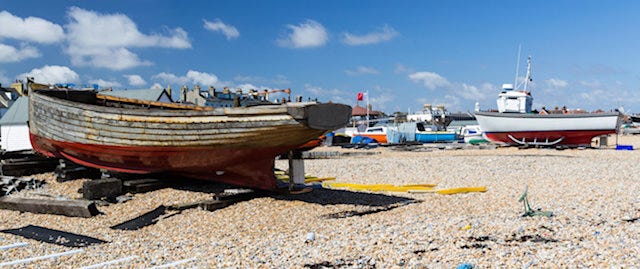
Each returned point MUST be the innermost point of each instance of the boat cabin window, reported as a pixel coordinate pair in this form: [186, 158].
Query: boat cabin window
[420, 127]
[374, 130]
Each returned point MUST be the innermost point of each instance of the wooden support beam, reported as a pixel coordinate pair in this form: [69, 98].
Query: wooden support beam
[143, 185]
[71, 208]
[27, 165]
[67, 170]
[101, 188]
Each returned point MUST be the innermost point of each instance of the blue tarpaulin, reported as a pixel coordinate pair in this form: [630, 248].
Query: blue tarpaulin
[358, 139]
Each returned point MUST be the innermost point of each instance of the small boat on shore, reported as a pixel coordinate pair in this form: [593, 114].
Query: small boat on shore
[472, 134]
[433, 134]
[235, 145]
[378, 133]
[515, 124]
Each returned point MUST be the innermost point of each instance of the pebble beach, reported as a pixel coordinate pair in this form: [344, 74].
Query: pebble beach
[591, 193]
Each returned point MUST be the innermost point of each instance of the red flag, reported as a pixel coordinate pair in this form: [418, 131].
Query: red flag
[360, 96]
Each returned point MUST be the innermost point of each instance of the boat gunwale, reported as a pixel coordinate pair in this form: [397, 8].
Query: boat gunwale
[160, 112]
[546, 116]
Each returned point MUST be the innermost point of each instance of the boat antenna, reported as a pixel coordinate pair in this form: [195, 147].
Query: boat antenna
[515, 82]
[528, 77]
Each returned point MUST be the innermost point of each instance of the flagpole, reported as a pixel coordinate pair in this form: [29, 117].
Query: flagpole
[367, 108]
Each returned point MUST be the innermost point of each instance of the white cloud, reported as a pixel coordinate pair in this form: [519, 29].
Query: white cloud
[202, 78]
[305, 35]
[471, 92]
[103, 40]
[556, 83]
[105, 84]
[157, 86]
[278, 80]
[379, 100]
[319, 91]
[9, 54]
[362, 70]
[248, 86]
[451, 101]
[171, 78]
[401, 69]
[383, 34]
[52, 74]
[218, 26]
[135, 80]
[430, 80]
[30, 29]
[193, 77]
[594, 84]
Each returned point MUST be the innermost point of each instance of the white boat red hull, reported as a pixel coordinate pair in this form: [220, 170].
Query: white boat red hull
[549, 130]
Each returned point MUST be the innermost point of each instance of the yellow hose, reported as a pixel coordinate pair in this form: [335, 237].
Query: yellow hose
[461, 190]
[416, 188]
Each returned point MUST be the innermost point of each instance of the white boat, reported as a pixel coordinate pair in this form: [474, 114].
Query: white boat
[472, 134]
[515, 124]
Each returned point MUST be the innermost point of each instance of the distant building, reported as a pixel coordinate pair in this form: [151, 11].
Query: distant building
[226, 97]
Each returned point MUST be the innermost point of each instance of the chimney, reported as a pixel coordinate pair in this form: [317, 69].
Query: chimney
[183, 93]
[212, 92]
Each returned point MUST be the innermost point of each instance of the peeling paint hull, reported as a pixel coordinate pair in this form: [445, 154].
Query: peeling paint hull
[231, 145]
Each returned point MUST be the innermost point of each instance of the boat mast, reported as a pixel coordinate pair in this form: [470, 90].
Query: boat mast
[515, 82]
[528, 77]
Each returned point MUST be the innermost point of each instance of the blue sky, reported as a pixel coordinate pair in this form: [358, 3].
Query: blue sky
[404, 53]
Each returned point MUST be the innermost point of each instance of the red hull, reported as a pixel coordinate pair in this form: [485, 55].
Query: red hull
[238, 166]
[569, 138]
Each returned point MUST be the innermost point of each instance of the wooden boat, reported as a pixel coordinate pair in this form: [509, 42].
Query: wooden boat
[515, 124]
[235, 145]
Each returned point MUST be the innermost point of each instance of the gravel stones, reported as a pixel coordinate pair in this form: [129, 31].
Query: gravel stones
[592, 194]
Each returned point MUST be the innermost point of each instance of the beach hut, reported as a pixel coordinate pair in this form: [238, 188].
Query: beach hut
[14, 131]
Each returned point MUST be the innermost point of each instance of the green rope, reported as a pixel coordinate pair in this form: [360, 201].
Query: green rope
[528, 212]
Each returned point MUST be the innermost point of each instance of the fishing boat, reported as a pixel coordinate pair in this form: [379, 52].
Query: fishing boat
[515, 124]
[235, 145]
[378, 133]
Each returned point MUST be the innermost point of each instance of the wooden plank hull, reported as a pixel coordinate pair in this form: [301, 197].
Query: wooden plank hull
[231, 145]
[566, 129]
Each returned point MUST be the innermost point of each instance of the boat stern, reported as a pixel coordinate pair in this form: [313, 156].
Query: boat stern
[324, 116]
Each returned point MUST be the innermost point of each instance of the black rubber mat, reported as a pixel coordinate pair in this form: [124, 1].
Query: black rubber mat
[57, 237]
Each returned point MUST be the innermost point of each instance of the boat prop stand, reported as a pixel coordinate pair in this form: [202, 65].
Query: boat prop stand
[535, 141]
[296, 168]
